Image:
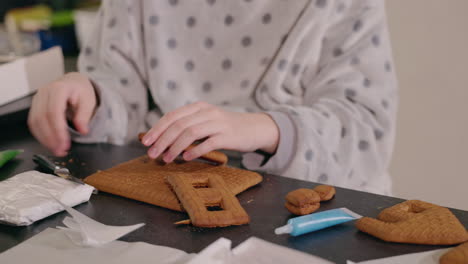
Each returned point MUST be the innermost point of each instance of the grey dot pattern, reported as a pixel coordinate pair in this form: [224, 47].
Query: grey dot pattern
[350, 93]
[321, 3]
[154, 20]
[388, 66]
[309, 154]
[171, 85]
[341, 7]
[90, 68]
[245, 84]
[366, 83]
[173, 2]
[124, 81]
[337, 52]
[246, 41]
[266, 19]
[249, 110]
[211, 2]
[189, 65]
[335, 157]
[295, 69]
[112, 22]
[357, 25]
[228, 20]
[153, 63]
[363, 145]
[351, 174]
[378, 134]
[206, 87]
[282, 64]
[264, 88]
[224, 103]
[326, 114]
[323, 178]
[375, 40]
[191, 21]
[343, 132]
[209, 43]
[88, 51]
[226, 64]
[134, 106]
[385, 104]
[109, 113]
[172, 43]
[355, 61]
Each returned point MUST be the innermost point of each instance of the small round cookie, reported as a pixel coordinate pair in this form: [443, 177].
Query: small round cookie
[326, 192]
[302, 196]
[302, 201]
[306, 209]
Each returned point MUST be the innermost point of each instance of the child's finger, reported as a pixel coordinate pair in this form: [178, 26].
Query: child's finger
[153, 134]
[56, 106]
[83, 108]
[212, 143]
[167, 137]
[188, 136]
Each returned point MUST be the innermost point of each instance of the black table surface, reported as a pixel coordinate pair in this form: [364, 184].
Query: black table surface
[264, 203]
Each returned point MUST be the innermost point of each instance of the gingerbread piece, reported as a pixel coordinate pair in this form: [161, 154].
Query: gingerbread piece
[302, 201]
[415, 222]
[143, 179]
[213, 156]
[197, 199]
[326, 192]
[457, 255]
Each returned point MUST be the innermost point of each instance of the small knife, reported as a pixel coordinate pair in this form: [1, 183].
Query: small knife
[46, 164]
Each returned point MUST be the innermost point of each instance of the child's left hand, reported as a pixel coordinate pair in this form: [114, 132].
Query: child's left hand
[176, 130]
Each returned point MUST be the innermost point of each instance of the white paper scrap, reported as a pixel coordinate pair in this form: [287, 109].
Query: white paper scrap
[85, 231]
[52, 246]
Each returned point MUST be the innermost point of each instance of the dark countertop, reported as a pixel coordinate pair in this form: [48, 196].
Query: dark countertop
[264, 203]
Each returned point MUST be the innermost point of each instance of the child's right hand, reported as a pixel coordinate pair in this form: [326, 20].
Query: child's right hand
[71, 96]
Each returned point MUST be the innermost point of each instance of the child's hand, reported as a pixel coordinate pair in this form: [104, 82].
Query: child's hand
[72, 94]
[222, 129]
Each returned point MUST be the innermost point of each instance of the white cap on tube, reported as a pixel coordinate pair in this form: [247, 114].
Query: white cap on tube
[286, 229]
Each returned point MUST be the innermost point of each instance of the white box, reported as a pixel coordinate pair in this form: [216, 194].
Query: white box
[24, 76]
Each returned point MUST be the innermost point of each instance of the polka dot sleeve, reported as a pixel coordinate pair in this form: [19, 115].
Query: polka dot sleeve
[344, 129]
[112, 58]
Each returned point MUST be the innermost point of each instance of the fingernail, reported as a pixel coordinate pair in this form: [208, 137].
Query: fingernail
[187, 156]
[167, 158]
[146, 141]
[153, 153]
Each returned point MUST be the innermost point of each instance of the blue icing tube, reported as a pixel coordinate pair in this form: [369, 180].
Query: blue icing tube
[308, 223]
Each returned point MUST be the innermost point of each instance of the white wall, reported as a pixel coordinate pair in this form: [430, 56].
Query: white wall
[430, 46]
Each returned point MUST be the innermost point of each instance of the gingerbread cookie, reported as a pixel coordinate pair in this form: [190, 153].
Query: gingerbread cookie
[326, 192]
[143, 179]
[415, 222]
[198, 193]
[302, 201]
[457, 255]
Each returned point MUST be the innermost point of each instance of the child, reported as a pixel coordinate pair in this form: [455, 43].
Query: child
[310, 82]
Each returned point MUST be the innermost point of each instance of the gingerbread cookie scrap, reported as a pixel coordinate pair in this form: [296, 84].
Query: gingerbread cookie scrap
[415, 222]
[207, 200]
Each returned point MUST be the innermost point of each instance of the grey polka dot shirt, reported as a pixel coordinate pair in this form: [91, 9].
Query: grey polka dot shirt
[321, 68]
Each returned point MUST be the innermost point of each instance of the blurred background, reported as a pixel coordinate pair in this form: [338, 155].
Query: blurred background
[430, 42]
